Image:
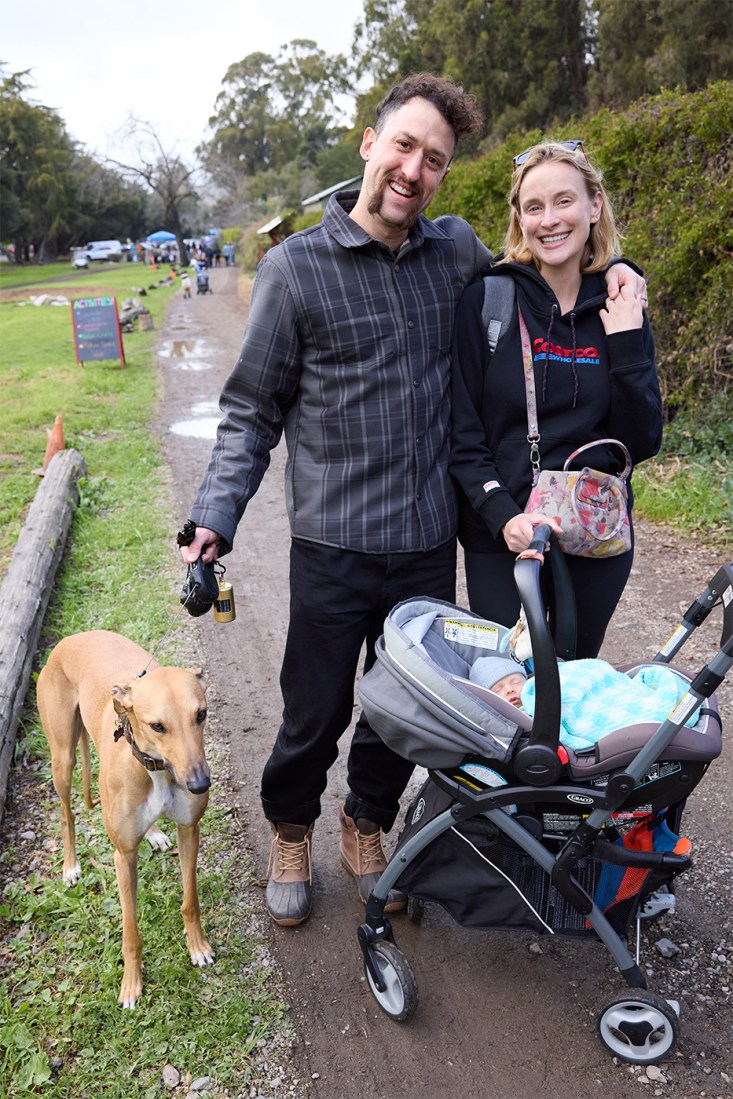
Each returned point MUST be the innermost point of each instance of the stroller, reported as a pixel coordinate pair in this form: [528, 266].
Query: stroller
[202, 279]
[512, 829]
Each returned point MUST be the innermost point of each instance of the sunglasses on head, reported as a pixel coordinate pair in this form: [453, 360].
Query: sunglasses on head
[517, 161]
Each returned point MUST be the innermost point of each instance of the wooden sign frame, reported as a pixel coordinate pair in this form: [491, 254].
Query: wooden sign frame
[97, 333]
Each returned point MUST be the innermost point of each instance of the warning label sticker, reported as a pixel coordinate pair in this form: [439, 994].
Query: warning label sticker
[471, 633]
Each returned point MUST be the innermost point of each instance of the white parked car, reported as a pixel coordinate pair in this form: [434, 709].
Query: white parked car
[109, 251]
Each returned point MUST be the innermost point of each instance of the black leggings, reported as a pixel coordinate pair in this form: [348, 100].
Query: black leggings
[598, 584]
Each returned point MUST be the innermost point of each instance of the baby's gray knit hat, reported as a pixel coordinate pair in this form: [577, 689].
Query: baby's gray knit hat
[488, 670]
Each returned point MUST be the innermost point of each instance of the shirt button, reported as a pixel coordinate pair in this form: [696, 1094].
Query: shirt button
[410, 324]
[419, 440]
[396, 267]
[419, 496]
[416, 383]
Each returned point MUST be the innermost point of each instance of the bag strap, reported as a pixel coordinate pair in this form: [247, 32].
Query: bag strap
[533, 428]
[605, 442]
[496, 311]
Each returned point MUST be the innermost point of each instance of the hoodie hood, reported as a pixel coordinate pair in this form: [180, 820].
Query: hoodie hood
[535, 296]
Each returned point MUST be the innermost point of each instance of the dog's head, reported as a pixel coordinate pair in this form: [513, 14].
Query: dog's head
[167, 711]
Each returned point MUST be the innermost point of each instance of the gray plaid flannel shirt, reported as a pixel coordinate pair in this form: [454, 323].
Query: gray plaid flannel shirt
[347, 349]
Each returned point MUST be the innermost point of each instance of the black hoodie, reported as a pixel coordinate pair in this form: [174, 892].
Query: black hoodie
[589, 386]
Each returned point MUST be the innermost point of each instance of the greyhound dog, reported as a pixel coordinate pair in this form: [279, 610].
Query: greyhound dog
[147, 724]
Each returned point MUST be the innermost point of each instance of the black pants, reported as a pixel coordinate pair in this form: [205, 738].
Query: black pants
[598, 584]
[339, 600]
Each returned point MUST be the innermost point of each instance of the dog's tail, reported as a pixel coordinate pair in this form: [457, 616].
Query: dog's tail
[86, 771]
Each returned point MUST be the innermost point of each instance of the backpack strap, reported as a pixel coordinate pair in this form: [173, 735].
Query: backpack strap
[498, 306]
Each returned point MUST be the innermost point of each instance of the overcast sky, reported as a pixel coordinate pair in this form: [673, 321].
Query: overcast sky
[161, 60]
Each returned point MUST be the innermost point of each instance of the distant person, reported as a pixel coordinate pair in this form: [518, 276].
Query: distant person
[347, 350]
[593, 363]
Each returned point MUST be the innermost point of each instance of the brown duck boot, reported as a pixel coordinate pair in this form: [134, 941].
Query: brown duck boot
[363, 856]
[288, 895]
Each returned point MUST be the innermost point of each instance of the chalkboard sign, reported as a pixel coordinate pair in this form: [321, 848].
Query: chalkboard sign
[97, 329]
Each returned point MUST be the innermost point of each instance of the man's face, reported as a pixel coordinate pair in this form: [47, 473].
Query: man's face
[406, 162]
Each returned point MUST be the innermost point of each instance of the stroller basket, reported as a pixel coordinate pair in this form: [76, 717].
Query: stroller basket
[514, 830]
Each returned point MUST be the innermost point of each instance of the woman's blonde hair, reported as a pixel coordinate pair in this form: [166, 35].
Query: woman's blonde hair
[604, 241]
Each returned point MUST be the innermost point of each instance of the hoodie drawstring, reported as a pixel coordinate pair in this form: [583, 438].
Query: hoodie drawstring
[576, 383]
[547, 353]
[575, 372]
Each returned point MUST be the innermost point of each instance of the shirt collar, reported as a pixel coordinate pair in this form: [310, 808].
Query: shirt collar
[345, 230]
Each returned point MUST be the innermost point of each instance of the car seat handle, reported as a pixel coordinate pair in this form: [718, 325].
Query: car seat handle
[536, 761]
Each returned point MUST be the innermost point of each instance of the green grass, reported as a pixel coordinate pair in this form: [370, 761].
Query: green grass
[62, 1032]
[689, 486]
[41, 379]
[61, 1028]
[19, 275]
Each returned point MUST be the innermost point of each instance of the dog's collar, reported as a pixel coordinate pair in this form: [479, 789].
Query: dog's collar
[150, 763]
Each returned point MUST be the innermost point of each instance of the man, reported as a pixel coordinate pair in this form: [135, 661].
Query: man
[346, 349]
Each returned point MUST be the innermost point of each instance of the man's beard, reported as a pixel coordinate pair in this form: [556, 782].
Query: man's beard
[376, 202]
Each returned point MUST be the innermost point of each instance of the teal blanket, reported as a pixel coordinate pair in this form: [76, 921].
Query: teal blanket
[597, 698]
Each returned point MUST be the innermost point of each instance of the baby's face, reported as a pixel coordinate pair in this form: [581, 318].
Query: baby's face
[510, 688]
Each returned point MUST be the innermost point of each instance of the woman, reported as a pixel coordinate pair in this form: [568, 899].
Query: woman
[595, 378]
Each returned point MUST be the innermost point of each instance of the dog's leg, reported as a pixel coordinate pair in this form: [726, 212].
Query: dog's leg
[63, 759]
[188, 849]
[157, 839]
[132, 977]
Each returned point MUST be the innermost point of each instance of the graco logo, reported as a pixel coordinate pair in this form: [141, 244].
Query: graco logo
[419, 810]
[580, 799]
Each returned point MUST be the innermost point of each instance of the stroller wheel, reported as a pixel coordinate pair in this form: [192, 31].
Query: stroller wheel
[639, 1027]
[399, 998]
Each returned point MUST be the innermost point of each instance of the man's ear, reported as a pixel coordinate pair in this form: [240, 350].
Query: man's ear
[370, 136]
[121, 699]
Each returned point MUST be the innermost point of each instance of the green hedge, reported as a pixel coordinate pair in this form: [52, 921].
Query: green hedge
[667, 166]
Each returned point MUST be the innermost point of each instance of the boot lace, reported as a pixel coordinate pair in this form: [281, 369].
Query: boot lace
[369, 849]
[290, 856]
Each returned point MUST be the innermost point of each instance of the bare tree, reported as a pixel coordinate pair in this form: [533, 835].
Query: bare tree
[164, 173]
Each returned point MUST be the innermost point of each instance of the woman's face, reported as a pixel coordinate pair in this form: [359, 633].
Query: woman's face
[556, 213]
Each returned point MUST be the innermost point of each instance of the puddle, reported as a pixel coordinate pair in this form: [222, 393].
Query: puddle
[196, 429]
[185, 354]
[191, 364]
[182, 349]
[203, 425]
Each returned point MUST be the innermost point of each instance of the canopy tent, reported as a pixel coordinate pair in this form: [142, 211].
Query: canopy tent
[162, 236]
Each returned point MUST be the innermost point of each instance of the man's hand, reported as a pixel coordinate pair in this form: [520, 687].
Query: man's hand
[205, 544]
[620, 274]
[622, 314]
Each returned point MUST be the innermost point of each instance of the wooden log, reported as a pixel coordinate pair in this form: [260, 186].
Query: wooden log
[26, 591]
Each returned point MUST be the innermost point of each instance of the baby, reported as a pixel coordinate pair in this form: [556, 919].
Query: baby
[502, 675]
[596, 697]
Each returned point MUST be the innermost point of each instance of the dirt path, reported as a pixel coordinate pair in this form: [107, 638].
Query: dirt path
[498, 1017]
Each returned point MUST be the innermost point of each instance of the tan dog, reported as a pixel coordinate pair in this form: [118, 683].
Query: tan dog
[147, 723]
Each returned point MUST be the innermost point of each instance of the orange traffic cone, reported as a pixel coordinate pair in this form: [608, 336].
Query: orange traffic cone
[54, 445]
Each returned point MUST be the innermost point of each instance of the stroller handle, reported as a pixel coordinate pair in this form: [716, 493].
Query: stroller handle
[536, 761]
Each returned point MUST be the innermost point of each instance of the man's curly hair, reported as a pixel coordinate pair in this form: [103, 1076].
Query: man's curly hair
[461, 111]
